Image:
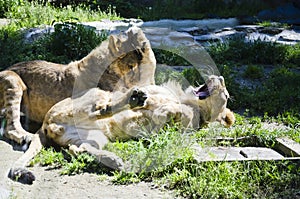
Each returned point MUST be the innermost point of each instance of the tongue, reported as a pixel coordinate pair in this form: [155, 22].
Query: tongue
[202, 92]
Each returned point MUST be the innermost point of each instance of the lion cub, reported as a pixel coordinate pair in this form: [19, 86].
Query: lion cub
[33, 87]
[87, 122]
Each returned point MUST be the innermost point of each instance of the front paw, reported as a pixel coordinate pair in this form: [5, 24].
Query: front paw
[137, 99]
[21, 175]
[21, 137]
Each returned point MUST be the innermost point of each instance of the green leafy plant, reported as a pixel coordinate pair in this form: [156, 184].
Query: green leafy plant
[69, 163]
[273, 24]
[254, 72]
[81, 163]
[256, 52]
[49, 157]
[78, 40]
[70, 41]
[154, 152]
[171, 58]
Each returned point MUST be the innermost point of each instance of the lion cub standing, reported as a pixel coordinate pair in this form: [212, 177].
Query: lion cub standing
[87, 122]
[33, 87]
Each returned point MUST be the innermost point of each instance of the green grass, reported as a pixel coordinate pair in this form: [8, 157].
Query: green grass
[77, 40]
[167, 158]
[154, 10]
[32, 14]
[68, 163]
[257, 52]
[273, 24]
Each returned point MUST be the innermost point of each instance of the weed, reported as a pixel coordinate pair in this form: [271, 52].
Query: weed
[69, 163]
[49, 157]
[154, 152]
[249, 179]
[81, 163]
[254, 72]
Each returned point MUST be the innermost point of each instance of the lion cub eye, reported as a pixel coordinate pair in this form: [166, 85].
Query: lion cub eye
[131, 66]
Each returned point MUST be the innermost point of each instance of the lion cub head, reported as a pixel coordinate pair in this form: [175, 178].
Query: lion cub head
[213, 97]
[135, 63]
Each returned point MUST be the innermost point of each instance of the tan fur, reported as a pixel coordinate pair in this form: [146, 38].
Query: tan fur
[88, 122]
[33, 87]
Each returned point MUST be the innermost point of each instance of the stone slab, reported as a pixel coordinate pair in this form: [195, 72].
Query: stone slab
[289, 147]
[235, 154]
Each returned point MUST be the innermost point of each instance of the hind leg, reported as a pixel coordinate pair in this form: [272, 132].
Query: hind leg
[12, 88]
[106, 158]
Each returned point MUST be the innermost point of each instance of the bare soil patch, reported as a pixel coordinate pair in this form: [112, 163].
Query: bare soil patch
[50, 184]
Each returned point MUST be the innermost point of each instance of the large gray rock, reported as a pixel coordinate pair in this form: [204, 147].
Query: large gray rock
[287, 13]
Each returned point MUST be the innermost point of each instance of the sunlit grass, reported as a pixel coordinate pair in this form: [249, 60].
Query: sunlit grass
[32, 14]
[167, 158]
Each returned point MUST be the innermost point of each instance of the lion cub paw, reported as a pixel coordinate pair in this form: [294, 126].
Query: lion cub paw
[21, 175]
[21, 137]
[137, 98]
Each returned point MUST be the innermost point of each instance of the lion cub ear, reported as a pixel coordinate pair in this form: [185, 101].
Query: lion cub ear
[114, 45]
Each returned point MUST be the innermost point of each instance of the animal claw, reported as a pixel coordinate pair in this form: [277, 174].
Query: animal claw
[21, 175]
[137, 98]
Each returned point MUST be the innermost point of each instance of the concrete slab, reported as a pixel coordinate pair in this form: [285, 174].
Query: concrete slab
[235, 154]
[289, 147]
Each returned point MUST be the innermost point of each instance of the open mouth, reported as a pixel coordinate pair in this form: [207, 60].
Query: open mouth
[202, 92]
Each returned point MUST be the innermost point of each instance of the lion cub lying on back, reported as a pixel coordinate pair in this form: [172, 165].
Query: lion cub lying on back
[88, 122]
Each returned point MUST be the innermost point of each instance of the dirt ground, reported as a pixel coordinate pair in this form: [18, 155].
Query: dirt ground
[50, 184]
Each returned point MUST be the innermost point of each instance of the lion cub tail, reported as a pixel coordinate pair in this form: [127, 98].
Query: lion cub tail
[19, 171]
[229, 118]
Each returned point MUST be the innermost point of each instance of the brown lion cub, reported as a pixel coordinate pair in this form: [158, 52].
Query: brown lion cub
[87, 122]
[33, 87]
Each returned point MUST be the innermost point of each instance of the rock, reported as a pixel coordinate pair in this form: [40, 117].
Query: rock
[248, 28]
[33, 34]
[220, 36]
[235, 153]
[255, 36]
[289, 35]
[285, 13]
[208, 38]
[4, 22]
[231, 34]
[271, 30]
[223, 29]
[195, 31]
[185, 32]
[211, 24]
[120, 25]
[168, 38]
